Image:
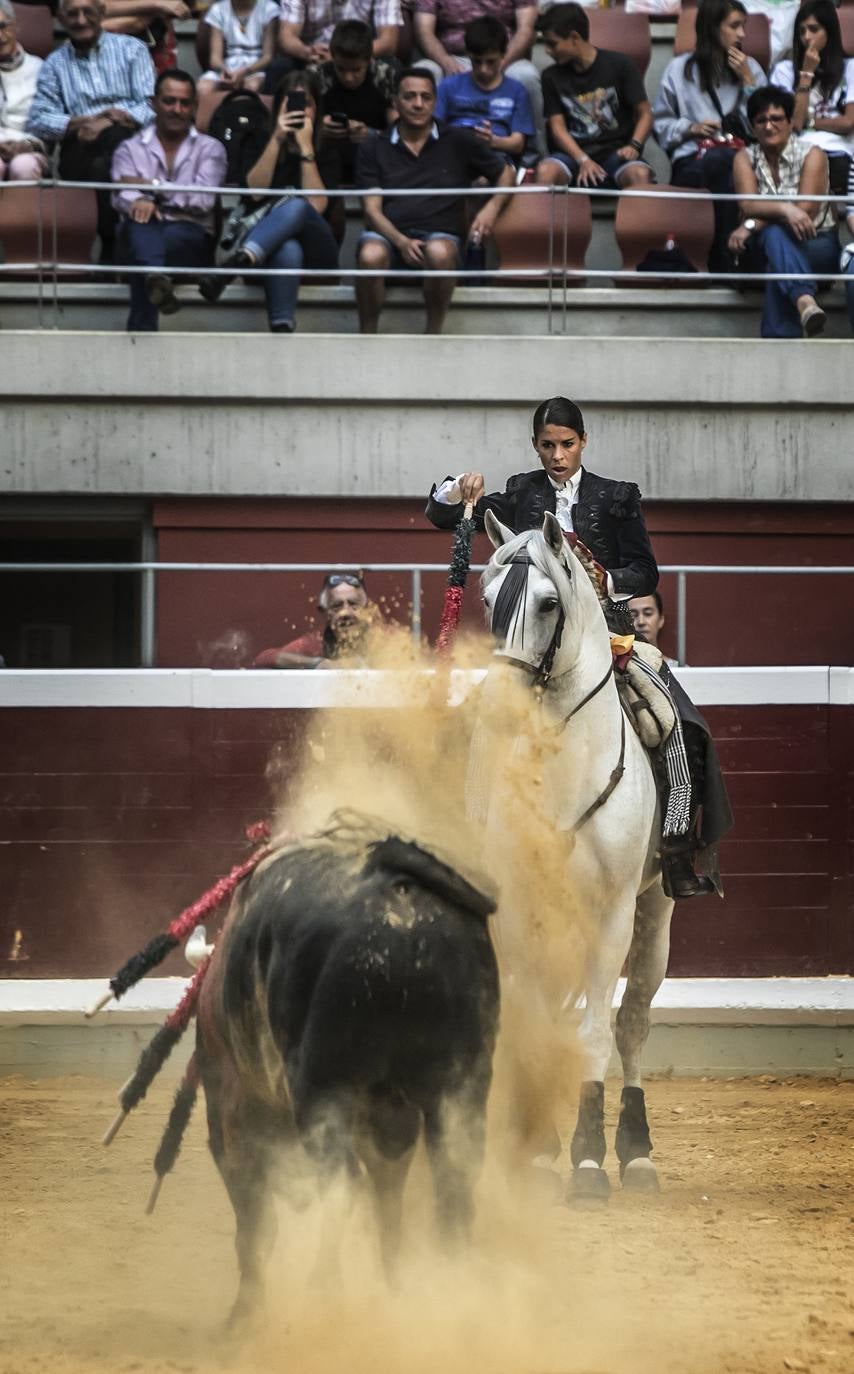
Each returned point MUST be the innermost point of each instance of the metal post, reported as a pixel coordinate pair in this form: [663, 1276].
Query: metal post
[416, 605]
[681, 617]
[148, 600]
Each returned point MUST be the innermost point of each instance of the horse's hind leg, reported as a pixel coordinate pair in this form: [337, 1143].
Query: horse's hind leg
[646, 969]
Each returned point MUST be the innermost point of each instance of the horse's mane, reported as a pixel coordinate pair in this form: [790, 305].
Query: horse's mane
[533, 544]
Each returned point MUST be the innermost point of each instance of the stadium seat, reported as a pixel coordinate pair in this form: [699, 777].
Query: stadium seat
[643, 225]
[544, 231]
[69, 212]
[35, 29]
[621, 32]
[846, 24]
[757, 36]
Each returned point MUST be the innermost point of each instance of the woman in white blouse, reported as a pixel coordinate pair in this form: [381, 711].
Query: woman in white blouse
[242, 43]
[822, 79]
[21, 156]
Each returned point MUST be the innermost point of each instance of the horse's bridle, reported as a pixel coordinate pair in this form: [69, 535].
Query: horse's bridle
[541, 676]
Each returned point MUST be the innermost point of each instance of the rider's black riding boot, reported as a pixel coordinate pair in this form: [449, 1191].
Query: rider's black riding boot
[677, 869]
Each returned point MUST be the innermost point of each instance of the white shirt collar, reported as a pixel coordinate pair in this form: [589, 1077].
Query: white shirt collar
[394, 136]
[570, 488]
[150, 132]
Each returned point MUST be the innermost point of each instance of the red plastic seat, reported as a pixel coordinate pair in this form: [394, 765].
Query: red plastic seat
[35, 28]
[643, 225]
[69, 221]
[621, 32]
[757, 36]
[545, 231]
[846, 25]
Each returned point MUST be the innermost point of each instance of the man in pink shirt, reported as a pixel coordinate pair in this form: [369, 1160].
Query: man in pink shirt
[161, 226]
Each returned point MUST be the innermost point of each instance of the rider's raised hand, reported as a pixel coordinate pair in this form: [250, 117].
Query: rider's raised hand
[472, 487]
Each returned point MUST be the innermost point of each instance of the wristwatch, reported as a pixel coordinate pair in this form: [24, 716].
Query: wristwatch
[750, 225]
[307, 157]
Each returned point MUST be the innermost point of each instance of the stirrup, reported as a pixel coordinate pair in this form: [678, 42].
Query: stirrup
[678, 876]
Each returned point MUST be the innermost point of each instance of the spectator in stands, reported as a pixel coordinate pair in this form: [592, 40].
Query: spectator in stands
[294, 232]
[421, 231]
[647, 614]
[357, 94]
[847, 262]
[349, 616]
[440, 33]
[153, 21]
[242, 44]
[822, 79]
[21, 155]
[701, 109]
[788, 235]
[486, 99]
[164, 227]
[597, 113]
[92, 93]
[306, 26]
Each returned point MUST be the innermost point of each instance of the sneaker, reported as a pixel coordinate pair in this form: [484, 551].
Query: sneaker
[160, 290]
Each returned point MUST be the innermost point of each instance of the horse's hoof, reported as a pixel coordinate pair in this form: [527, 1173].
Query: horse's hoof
[588, 1186]
[544, 1183]
[639, 1176]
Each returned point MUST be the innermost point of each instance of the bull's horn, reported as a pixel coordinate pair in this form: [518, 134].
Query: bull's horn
[100, 1004]
[113, 1131]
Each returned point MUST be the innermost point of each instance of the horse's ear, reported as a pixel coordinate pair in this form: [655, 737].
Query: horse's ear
[553, 534]
[498, 534]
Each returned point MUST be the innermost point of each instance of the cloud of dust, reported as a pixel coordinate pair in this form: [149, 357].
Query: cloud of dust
[466, 780]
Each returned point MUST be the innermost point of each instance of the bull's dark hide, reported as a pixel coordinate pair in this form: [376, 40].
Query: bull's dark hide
[351, 1003]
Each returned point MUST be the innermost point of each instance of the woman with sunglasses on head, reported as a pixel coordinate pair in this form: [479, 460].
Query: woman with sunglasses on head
[699, 114]
[349, 613]
[607, 518]
[822, 80]
[796, 236]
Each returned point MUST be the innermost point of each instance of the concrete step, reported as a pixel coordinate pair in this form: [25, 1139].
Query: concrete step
[593, 311]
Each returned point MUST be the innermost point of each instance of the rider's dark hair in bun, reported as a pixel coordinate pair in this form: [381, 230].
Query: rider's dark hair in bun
[558, 411]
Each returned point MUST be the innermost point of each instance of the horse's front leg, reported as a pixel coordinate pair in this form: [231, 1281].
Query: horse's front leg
[647, 966]
[588, 1180]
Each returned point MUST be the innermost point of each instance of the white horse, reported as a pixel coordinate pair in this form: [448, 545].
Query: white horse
[547, 622]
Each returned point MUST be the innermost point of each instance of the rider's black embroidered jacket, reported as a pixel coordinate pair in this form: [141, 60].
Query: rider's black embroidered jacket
[607, 517]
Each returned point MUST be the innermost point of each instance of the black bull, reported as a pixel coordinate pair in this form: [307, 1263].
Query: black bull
[352, 1000]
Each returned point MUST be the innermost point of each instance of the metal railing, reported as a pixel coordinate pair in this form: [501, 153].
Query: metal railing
[556, 275]
[149, 571]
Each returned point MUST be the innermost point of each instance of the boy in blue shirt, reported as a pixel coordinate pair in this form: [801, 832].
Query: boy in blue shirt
[496, 106]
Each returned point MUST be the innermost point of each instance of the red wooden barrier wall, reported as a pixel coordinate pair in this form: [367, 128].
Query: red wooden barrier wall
[112, 819]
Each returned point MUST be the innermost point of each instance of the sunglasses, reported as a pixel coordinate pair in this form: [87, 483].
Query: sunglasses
[345, 579]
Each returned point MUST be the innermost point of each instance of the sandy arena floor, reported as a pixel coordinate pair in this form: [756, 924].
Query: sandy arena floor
[744, 1263]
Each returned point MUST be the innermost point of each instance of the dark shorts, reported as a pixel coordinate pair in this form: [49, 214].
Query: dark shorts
[396, 261]
[612, 164]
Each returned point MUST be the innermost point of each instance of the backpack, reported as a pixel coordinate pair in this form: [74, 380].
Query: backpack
[242, 124]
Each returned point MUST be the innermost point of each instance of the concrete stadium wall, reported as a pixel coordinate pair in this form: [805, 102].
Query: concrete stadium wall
[226, 415]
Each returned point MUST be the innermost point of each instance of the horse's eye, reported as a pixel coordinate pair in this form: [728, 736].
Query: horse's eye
[548, 604]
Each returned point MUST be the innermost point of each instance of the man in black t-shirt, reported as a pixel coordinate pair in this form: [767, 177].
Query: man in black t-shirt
[357, 94]
[598, 117]
[421, 231]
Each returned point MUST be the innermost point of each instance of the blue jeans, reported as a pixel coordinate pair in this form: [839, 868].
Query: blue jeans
[775, 249]
[613, 166]
[849, 292]
[162, 244]
[291, 235]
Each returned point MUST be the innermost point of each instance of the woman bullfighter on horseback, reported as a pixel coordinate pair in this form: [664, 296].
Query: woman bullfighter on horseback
[606, 517]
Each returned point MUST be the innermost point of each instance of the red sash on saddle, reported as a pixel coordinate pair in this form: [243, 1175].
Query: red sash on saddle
[621, 645]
